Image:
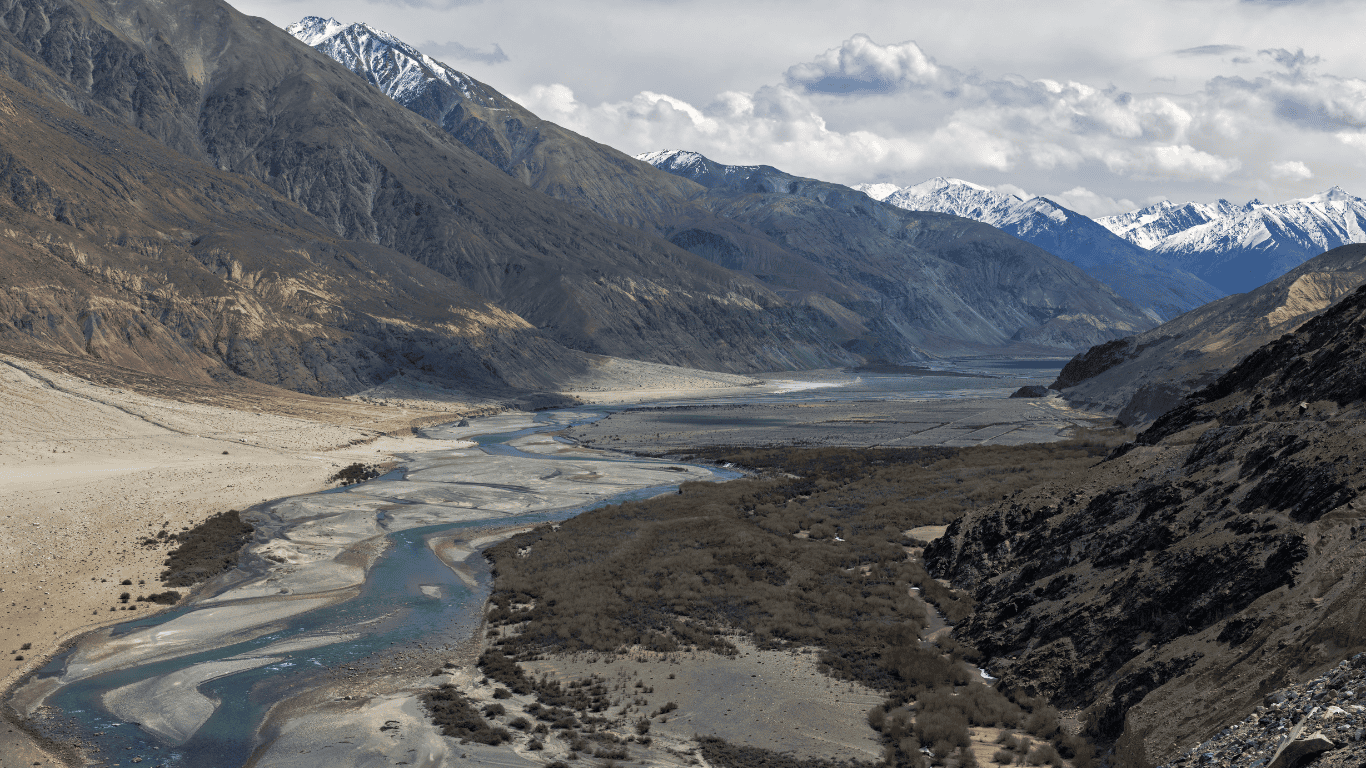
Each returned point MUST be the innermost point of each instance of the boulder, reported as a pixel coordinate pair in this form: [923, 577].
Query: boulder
[1294, 751]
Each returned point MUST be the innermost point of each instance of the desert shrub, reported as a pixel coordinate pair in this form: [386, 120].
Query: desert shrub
[457, 718]
[206, 550]
[355, 473]
[681, 571]
[1043, 722]
[1044, 754]
[1003, 757]
[495, 710]
[169, 597]
[520, 723]
[723, 754]
[501, 693]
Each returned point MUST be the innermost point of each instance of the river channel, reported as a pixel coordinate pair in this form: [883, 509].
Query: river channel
[340, 579]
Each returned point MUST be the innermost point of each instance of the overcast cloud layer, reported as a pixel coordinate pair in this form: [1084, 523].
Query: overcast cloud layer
[1103, 108]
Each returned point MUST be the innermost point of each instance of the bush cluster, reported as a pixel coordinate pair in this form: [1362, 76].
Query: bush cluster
[206, 550]
[814, 553]
[457, 718]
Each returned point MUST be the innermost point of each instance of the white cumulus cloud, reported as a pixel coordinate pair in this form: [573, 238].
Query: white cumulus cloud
[1291, 169]
[900, 116]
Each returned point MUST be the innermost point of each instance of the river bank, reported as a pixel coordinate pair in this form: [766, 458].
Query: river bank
[313, 552]
[94, 460]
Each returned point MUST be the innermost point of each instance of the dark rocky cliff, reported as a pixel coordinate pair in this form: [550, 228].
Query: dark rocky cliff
[1220, 557]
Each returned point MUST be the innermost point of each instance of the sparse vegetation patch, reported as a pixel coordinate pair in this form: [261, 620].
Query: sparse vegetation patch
[206, 550]
[815, 552]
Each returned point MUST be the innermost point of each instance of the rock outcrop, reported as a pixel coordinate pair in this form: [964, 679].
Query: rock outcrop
[1294, 725]
[1218, 558]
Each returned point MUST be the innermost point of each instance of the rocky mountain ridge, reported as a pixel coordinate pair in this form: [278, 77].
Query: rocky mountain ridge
[1239, 247]
[1146, 279]
[1217, 559]
[115, 249]
[1139, 378]
[966, 280]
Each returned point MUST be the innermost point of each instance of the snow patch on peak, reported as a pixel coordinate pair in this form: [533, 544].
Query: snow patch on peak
[947, 195]
[940, 183]
[312, 30]
[400, 70]
[878, 192]
[673, 158]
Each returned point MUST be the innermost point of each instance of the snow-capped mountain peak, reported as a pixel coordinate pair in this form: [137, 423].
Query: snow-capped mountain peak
[947, 195]
[1240, 247]
[312, 30]
[400, 70]
[673, 158]
[1150, 282]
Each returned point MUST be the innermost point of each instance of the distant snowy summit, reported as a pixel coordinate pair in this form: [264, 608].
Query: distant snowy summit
[1153, 282]
[1240, 247]
[402, 72]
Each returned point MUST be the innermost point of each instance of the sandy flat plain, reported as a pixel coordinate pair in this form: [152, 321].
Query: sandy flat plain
[885, 424]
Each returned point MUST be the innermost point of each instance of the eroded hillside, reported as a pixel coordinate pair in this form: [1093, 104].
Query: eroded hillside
[1215, 560]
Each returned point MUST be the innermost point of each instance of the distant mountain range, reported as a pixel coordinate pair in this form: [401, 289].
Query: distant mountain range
[1240, 247]
[1152, 282]
[878, 281]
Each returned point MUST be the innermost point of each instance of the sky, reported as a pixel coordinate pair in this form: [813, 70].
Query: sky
[1103, 106]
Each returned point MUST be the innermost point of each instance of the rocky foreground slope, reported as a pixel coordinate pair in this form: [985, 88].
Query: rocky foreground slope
[1321, 719]
[1219, 558]
[1141, 377]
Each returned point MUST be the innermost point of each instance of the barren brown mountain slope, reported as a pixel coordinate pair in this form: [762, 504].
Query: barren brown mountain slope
[113, 247]
[241, 95]
[1141, 377]
[885, 282]
[1219, 558]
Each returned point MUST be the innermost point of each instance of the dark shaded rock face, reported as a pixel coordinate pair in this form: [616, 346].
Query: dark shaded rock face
[1094, 361]
[1219, 557]
[1033, 390]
